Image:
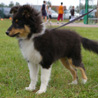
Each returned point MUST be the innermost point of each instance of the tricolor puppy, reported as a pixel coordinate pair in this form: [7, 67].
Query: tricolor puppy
[41, 46]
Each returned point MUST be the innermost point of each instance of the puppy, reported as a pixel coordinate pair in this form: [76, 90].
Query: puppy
[41, 46]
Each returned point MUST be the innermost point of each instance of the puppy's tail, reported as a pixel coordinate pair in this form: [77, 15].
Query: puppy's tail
[90, 45]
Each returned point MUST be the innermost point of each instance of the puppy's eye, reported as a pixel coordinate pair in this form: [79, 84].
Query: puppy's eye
[16, 20]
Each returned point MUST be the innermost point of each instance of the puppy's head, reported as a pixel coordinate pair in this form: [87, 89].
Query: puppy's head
[26, 22]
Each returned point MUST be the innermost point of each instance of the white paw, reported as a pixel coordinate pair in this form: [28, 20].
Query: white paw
[29, 88]
[40, 91]
[84, 81]
[74, 82]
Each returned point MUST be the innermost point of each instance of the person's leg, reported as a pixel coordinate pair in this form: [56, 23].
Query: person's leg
[61, 17]
[50, 19]
[45, 18]
[42, 17]
[58, 18]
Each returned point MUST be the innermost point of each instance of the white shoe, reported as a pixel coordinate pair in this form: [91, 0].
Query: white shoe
[50, 22]
[46, 22]
[57, 22]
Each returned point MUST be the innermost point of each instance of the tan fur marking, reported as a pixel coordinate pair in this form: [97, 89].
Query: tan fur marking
[66, 63]
[70, 61]
[16, 20]
[83, 73]
[22, 32]
[81, 69]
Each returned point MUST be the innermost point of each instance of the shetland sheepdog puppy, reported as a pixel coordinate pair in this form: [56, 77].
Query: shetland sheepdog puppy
[41, 46]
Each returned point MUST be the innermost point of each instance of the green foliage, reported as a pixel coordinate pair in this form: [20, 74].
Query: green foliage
[2, 4]
[11, 4]
[14, 73]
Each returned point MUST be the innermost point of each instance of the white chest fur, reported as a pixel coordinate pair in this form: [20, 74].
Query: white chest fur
[29, 52]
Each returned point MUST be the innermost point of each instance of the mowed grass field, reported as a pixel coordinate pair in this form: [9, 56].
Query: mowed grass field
[14, 73]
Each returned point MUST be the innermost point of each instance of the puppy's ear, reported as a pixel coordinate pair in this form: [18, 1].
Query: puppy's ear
[26, 13]
[27, 10]
[14, 9]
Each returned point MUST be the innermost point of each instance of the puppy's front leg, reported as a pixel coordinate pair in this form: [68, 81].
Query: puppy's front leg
[45, 76]
[33, 76]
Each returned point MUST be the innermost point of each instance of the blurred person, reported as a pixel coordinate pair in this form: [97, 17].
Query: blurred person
[60, 12]
[49, 14]
[44, 10]
[72, 11]
[96, 16]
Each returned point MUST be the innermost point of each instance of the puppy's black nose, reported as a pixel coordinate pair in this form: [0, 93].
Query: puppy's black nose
[7, 32]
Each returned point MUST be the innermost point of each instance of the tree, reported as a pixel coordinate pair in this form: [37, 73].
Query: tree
[82, 6]
[2, 5]
[97, 6]
[70, 7]
[11, 4]
[77, 9]
[48, 3]
[96, 13]
[17, 4]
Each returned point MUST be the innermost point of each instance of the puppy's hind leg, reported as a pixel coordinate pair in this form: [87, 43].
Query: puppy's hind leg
[33, 76]
[82, 69]
[68, 64]
[45, 76]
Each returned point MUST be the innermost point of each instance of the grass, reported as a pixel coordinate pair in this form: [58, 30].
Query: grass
[14, 73]
[65, 20]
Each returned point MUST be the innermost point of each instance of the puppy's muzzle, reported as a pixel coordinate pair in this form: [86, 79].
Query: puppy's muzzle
[14, 35]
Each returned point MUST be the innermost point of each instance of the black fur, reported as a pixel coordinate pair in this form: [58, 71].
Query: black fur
[57, 44]
[90, 45]
[14, 9]
[29, 16]
[54, 44]
[26, 15]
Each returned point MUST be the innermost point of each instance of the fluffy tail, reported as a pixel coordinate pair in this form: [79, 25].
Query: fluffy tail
[90, 44]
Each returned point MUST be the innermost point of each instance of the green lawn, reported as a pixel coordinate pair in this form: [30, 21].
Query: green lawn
[14, 73]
